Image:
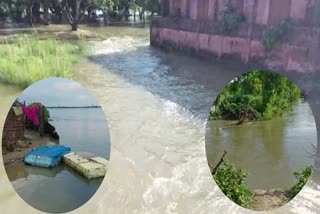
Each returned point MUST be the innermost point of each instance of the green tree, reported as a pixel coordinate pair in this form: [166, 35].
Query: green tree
[256, 95]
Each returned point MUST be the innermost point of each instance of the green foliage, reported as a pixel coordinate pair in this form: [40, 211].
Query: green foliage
[263, 94]
[104, 4]
[302, 180]
[231, 20]
[28, 60]
[46, 111]
[232, 183]
[116, 8]
[12, 8]
[275, 34]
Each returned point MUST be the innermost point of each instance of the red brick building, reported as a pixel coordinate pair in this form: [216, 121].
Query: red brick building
[262, 12]
[188, 24]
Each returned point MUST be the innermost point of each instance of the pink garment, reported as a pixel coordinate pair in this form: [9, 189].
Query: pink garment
[31, 113]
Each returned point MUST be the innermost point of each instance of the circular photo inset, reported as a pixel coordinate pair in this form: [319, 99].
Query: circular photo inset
[261, 140]
[56, 145]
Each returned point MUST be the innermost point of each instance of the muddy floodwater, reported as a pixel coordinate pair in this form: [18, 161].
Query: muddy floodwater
[157, 104]
[270, 151]
[61, 189]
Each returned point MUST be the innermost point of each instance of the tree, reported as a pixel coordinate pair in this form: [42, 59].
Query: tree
[46, 11]
[256, 95]
[152, 6]
[74, 12]
[56, 8]
[13, 9]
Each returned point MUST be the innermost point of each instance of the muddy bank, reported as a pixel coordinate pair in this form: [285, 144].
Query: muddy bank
[32, 140]
[264, 200]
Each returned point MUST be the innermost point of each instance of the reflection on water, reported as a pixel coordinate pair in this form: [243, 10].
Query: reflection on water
[84, 130]
[53, 190]
[270, 151]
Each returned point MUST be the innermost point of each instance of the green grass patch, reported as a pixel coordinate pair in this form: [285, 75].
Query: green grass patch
[29, 59]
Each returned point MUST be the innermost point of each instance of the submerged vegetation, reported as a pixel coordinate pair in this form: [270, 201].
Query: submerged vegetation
[258, 95]
[232, 182]
[28, 60]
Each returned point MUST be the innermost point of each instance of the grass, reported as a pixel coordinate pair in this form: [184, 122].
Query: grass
[29, 59]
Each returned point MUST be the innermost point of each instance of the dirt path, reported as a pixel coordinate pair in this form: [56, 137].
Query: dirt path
[32, 141]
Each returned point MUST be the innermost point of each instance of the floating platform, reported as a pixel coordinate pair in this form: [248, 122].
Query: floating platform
[47, 156]
[87, 164]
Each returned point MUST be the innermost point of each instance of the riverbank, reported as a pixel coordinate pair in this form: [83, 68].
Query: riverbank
[232, 181]
[30, 54]
[32, 140]
[264, 200]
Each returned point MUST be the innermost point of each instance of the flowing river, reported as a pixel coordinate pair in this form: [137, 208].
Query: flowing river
[156, 104]
[269, 151]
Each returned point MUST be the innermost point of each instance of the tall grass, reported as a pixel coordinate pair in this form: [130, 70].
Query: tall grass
[28, 60]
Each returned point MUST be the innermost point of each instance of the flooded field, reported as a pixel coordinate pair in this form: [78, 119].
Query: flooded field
[156, 104]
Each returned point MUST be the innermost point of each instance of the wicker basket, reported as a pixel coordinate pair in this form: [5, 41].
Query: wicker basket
[14, 127]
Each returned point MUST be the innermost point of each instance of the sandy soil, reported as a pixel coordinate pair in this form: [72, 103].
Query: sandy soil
[269, 199]
[32, 141]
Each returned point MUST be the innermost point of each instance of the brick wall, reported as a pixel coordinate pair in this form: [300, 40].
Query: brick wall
[196, 31]
[264, 12]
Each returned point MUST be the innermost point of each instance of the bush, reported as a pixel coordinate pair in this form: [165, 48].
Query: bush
[262, 94]
[302, 180]
[232, 183]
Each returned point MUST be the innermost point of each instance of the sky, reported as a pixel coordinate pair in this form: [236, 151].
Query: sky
[58, 92]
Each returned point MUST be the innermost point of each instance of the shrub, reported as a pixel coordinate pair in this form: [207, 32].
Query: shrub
[262, 94]
[275, 34]
[232, 183]
[302, 180]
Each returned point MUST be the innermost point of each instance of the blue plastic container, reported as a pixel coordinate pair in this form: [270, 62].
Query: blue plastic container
[47, 156]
